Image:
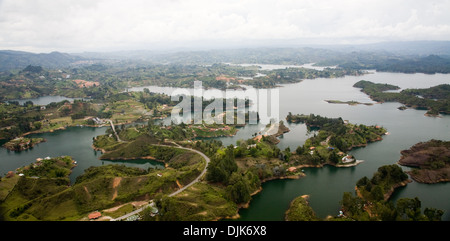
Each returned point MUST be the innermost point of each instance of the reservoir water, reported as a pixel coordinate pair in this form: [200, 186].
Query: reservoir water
[75, 142]
[324, 185]
[45, 100]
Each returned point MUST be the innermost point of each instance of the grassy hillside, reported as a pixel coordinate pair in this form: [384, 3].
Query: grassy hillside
[50, 197]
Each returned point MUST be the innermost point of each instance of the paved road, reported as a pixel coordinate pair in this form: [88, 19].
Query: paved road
[176, 192]
[114, 129]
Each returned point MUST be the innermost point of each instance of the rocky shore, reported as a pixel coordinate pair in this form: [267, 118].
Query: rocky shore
[430, 161]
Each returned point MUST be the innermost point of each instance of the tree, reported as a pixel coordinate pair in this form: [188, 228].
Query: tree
[221, 168]
[334, 158]
[362, 182]
[433, 214]
[28, 104]
[287, 154]
[65, 111]
[238, 188]
[37, 125]
[377, 193]
[409, 209]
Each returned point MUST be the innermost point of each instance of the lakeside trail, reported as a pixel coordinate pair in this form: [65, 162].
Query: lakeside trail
[150, 203]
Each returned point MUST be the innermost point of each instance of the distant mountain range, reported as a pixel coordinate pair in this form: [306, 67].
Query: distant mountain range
[367, 54]
[10, 60]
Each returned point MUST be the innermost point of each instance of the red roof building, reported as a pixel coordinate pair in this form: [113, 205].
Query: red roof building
[94, 215]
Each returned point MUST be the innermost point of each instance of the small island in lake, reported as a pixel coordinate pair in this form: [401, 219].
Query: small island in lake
[335, 137]
[431, 161]
[350, 102]
[299, 210]
[22, 143]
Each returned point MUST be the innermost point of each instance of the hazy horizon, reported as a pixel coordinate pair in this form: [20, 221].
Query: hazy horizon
[75, 26]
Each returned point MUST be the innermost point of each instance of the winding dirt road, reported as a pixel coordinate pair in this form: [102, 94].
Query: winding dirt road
[176, 192]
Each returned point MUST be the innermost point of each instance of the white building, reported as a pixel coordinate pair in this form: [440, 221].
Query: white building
[347, 159]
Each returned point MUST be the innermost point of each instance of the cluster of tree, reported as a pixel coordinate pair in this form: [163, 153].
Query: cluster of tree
[405, 209]
[59, 167]
[209, 147]
[340, 134]
[439, 92]
[373, 204]
[293, 75]
[223, 169]
[381, 183]
[152, 100]
[15, 123]
[434, 99]
[315, 120]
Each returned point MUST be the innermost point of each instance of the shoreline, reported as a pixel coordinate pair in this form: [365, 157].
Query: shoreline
[292, 177]
[260, 189]
[352, 164]
[389, 193]
[33, 142]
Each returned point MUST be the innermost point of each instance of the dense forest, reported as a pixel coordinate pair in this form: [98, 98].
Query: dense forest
[434, 99]
[372, 200]
[336, 134]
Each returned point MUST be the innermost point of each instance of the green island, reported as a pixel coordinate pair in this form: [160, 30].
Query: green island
[22, 143]
[274, 78]
[299, 210]
[334, 138]
[371, 202]
[350, 102]
[430, 161]
[436, 100]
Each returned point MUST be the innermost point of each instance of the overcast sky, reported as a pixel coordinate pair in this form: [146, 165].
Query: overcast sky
[105, 25]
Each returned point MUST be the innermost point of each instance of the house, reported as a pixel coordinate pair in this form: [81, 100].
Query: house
[94, 215]
[259, 137]
[347, 159]
[251, 146]
[292, 169]
[10, 174]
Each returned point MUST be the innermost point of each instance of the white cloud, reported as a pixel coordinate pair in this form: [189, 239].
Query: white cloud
[79, 25]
